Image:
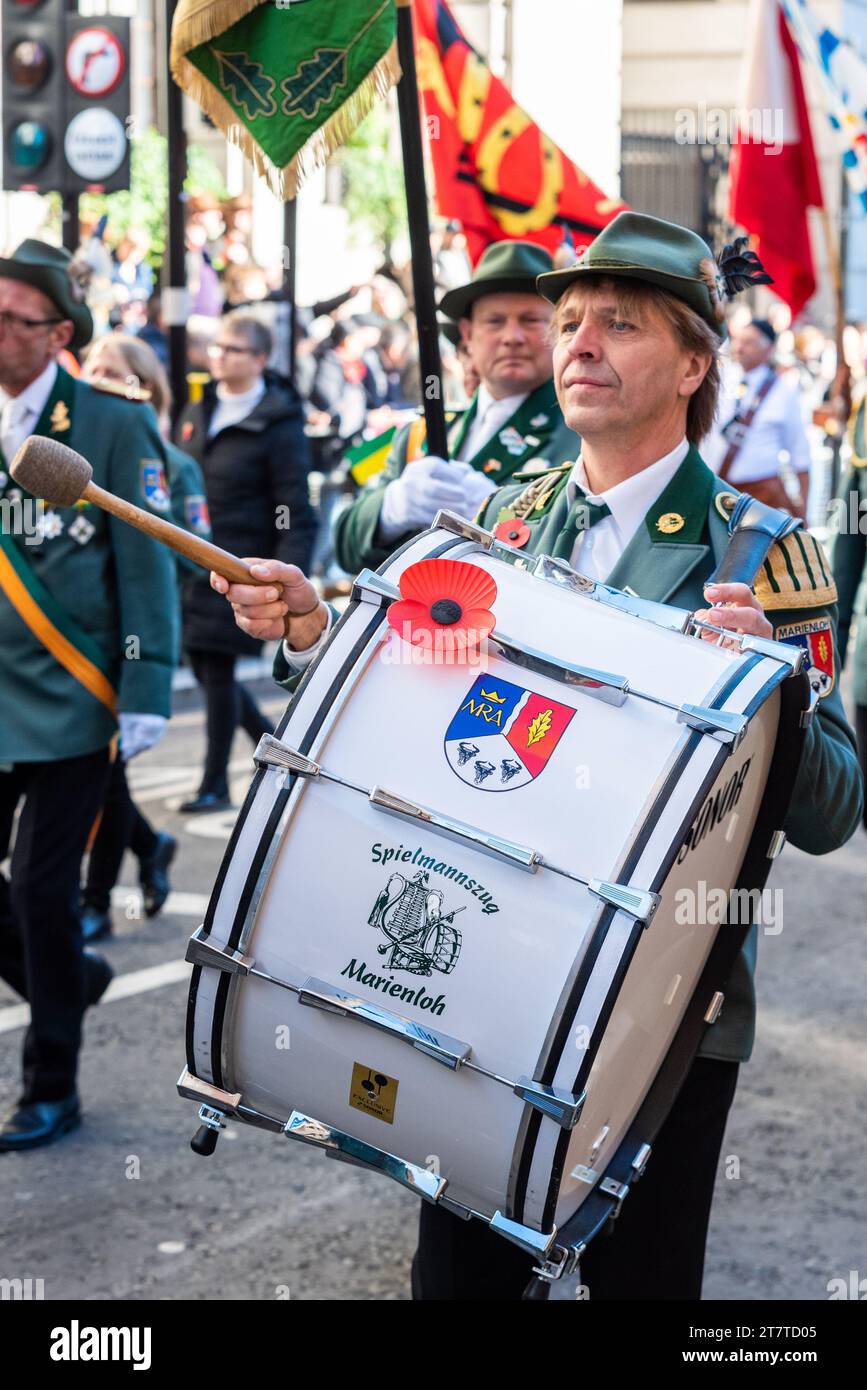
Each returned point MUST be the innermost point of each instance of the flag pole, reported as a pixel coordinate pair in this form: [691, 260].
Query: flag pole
[419, 235]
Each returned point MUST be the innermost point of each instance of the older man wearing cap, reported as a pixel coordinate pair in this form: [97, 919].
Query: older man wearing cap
[758, 443]
[638, 326]
[513, 425]
[88, 639]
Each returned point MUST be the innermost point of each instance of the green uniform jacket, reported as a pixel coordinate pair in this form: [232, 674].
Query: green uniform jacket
[849, 558]
[535, 436]
[671, 565]
[109, 588]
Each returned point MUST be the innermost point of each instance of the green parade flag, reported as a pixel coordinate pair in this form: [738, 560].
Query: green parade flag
[287, 80]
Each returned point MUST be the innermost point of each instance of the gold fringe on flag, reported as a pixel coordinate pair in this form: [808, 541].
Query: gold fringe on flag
[199, 21]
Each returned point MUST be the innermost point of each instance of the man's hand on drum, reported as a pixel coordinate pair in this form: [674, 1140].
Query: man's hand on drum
[287, 605]
[735, 607]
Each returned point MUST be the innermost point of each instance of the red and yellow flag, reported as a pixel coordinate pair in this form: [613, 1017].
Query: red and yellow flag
[496, 172]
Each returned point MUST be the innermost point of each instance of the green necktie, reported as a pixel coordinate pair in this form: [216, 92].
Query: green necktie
[580, 517]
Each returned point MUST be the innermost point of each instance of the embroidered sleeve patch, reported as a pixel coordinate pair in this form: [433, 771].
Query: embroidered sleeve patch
[796, 574]
[814, 637]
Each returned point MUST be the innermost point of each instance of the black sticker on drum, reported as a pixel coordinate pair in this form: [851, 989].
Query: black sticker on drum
[373, 1092]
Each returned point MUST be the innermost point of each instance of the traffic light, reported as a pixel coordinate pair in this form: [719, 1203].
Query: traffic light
[66, 99]
[33, 84]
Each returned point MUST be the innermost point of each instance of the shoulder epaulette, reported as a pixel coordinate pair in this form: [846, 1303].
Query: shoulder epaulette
[540, 491]
[796, 574]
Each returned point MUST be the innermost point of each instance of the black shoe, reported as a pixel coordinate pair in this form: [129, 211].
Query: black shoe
[94, 924]
[40, 1122]
[154, 874]
[99, 976]
[207, 801]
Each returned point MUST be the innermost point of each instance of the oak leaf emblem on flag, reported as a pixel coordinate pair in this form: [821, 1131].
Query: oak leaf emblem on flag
[247, 83]
[315, 82]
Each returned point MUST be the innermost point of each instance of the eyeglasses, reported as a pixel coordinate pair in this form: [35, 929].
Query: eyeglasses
[18, 324]
[218, 349]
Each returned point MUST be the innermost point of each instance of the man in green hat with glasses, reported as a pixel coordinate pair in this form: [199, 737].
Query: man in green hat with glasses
[638, 325]
[88, 639]
[513, 425]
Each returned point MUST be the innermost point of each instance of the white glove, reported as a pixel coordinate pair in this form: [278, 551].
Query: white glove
[138, 732]
[426, 485]
[477, 487]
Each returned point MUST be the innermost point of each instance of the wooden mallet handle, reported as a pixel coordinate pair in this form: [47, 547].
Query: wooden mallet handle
[62, 477]
[195, 548]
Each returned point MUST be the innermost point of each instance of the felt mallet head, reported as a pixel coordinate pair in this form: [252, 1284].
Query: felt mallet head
[51, 470]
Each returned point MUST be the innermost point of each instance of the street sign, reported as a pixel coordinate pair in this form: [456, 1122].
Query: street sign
[95, 145]
[95, 61]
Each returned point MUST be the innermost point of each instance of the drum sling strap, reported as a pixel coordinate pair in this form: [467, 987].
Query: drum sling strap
[753, 527]
[744, 423]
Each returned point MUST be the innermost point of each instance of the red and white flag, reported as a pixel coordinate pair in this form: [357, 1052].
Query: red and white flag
[773, 176]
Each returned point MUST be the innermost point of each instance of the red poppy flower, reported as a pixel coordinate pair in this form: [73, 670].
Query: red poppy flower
[513, 532]
[444, 606]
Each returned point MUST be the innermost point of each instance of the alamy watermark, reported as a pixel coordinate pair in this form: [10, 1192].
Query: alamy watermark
[23, 516]
[714, 125]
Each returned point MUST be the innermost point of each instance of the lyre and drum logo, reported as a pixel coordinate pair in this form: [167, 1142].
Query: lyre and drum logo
[420, 937]
[503, 735]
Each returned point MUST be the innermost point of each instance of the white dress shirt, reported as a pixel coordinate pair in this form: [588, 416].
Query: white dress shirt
[778, 427]
[490, 417]
[232, 408]
[598, 549]
[19, 414]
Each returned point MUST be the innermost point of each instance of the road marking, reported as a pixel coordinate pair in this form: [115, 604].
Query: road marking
[123, 987]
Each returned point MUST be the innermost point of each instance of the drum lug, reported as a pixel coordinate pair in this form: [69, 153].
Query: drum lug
[618, 1190]
[562, 1106]
[370, 587]
[561, 573]
[270, 752]
[192, 1088]
[714, 1008]
[640, 903]
[201, 950]
[775, 848]
[536, 1243]
[450, 521]
[563, 1261]
[337, 1144]
[522, 856]
[600, 685]
[721, 724]
[639, 1162]
[451, 1052]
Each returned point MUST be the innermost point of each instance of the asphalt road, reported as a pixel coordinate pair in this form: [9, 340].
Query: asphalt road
[122, 1209]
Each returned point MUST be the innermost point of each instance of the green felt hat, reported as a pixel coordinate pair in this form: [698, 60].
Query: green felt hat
[505, 267]
[47, 268]
[637, 247]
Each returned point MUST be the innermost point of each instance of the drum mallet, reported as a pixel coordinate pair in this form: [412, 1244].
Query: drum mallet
[62, 477]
